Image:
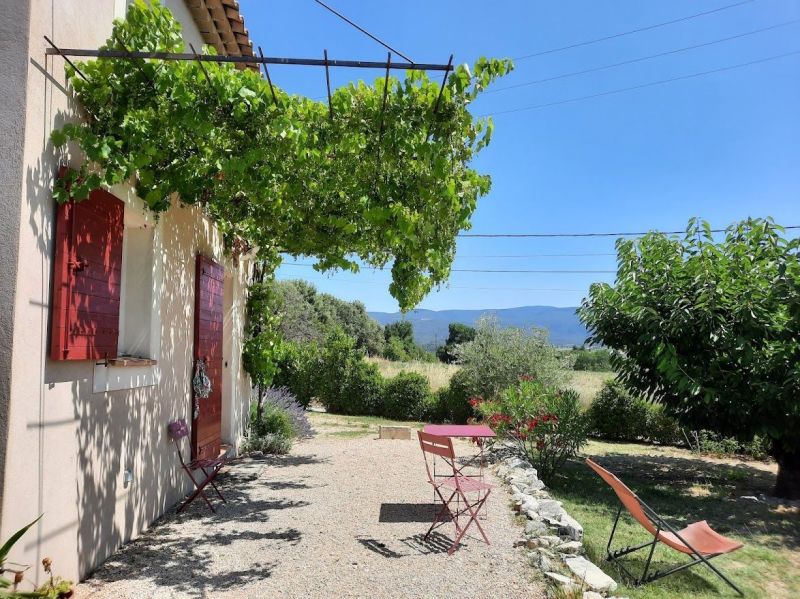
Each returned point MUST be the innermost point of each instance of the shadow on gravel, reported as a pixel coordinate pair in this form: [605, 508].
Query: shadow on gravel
[175, 553]
[409, 512]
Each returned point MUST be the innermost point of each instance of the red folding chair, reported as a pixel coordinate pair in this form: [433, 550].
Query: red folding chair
[210, 468]
[459, 486]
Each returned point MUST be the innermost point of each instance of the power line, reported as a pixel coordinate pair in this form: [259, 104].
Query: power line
[640, 59]
[642, 86]
[364, 31]
[471, 288]
[482, 270]
[593, 234]
[539, 255]
[632, 31]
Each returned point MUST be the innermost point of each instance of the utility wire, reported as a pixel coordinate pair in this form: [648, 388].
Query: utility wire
[593, 234]
[538, 255]
[367, 33]
[642, 86]
[632, 31]
[641, 59]
[484, 270]
[324, 279]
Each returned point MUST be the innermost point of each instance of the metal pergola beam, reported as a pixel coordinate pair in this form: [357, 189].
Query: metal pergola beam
[310, 62]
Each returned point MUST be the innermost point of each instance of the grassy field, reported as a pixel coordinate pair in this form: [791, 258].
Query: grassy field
[685, 488]
[437, 373]
[347, 427]
[588, 383]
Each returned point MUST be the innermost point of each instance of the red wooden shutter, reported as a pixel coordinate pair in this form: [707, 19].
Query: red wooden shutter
[209, 287]
[86, 283]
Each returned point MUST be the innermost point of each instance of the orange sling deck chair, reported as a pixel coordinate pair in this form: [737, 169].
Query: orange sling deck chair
[698, 540]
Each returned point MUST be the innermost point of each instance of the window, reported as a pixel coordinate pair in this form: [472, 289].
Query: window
[136, 298]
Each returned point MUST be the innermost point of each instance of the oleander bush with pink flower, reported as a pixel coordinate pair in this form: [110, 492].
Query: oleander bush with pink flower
[545, 423]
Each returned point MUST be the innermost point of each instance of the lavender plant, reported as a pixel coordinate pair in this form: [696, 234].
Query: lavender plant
[283, 399]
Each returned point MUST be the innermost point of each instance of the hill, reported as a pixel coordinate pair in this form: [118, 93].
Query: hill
[430, 326]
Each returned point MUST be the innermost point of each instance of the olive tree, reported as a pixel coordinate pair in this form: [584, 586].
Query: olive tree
[711, 330]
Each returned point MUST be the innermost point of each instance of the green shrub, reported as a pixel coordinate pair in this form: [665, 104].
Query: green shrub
[395, 350]
[455, 398]
[270, 443]
[705, 441]
[347, 384]
[616, 414]
[405, 396]
[434, 407]
[661, 427]
[546, 424]
[298, 370]
[273, 421]
[597, 360]
[498, 356]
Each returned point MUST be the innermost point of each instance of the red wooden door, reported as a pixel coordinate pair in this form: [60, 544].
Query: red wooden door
[209, 286]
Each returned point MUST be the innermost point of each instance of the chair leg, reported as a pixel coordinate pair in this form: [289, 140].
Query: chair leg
[198, 491]
[440, 513]
[473, 510]
[211, 478]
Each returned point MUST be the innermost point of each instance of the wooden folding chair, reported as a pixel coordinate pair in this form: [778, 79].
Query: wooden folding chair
[210, 468]
[698, 540]
[458, 484]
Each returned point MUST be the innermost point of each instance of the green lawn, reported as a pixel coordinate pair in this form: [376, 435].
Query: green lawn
[683, 489]
[348, 427]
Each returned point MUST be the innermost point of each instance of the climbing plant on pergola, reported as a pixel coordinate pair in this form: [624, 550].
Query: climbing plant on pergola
[381, 174]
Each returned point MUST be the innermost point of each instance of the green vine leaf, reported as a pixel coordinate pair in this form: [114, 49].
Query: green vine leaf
[282, 175]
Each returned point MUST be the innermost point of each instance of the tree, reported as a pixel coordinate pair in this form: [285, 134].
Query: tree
[498, 356]
[381, 176]
[710, 330]
[458, 333]
[402, 329]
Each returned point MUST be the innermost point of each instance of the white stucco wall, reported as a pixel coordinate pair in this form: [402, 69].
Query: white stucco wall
[67, 446]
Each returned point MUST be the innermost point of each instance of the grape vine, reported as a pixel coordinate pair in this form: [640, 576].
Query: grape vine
[279, 174]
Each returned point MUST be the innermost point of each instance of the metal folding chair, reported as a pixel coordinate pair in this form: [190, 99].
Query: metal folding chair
[458, 485]
[210, 468]
[697, 540]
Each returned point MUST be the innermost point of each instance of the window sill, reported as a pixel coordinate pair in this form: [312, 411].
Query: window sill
[130, 362]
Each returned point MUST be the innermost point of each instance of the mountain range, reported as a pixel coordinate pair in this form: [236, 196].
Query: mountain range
[430, 326]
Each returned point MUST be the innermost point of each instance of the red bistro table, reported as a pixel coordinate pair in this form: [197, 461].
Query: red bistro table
[479, 432]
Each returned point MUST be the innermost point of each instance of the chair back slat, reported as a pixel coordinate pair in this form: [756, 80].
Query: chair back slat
[441, 446]
[626, 496]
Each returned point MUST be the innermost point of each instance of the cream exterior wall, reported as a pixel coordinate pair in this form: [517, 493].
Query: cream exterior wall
[68, 447]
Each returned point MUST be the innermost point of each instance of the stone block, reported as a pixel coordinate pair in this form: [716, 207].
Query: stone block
[394, 432]
[591, 575]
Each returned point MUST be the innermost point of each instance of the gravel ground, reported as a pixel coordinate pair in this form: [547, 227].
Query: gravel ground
[335, 518]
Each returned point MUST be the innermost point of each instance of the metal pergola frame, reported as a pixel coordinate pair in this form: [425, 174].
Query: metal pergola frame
[310, 62]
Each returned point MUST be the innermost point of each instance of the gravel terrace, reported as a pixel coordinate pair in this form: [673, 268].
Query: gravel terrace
[338, 517]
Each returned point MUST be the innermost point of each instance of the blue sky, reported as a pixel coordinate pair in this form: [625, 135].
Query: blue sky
[722, 146]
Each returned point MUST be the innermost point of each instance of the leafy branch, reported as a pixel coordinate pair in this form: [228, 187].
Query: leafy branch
[277, 171]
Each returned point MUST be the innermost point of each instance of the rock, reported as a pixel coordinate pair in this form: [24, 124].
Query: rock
[257, 455]
[564, 581]
[544, 562]
[586, 571]
[530, 505]
[570, 547]
[591, 595]
[550, 540]
[536, 485]
[535, 528]
[570, 527]
[550, 508]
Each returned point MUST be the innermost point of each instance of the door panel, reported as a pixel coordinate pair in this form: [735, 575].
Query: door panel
[209, 289]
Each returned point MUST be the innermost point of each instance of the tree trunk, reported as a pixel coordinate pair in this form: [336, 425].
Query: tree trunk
[788, 483]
